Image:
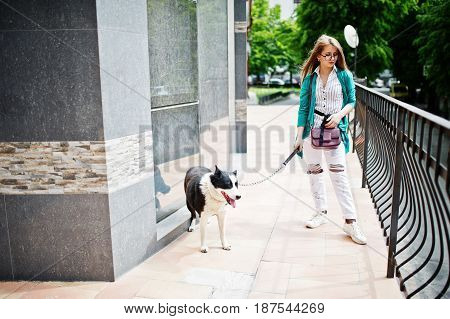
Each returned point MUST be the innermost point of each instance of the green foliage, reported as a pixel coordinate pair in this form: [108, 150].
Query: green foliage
[434, 43]
[374, 21]
[405, 64]
[403, 35]
[285, 37]
[271, 40]
[260, 92]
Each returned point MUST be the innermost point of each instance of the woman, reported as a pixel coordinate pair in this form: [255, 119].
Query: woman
[327, 89]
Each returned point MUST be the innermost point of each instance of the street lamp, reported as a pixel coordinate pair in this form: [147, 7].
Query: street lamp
[351, 36]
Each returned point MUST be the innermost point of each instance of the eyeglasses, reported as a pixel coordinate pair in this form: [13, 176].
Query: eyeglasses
[328, 56]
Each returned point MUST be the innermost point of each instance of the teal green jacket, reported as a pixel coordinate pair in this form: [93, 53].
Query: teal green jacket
[306, 112]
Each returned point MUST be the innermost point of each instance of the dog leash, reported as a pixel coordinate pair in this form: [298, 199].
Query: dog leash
[287, 160]
[274, 173]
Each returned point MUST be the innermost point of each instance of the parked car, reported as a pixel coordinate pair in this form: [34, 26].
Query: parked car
[288, 81]
[399, 91]
[379, 83]
[391, 81]
[276, 82]
[254, 79]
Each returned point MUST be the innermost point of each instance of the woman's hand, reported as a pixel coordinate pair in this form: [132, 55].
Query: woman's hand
[333, 120]
[298, 143]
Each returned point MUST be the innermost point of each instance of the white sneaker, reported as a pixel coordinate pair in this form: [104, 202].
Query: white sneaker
[318, 219]
[355, 233]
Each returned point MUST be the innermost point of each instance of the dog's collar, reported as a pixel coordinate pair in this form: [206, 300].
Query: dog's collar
[213, 192]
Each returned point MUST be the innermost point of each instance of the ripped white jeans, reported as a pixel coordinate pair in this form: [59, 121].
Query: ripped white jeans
[338, 173]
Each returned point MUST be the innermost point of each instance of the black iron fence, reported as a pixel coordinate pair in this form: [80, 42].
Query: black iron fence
[404, 153]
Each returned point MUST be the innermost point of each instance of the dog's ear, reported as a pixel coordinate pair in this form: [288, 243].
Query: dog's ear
[235, 173]
[218, 172]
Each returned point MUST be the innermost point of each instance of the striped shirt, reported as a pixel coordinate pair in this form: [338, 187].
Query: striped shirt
[329, 99]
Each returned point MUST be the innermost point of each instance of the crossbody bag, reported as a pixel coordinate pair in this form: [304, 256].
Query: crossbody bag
[322, 137]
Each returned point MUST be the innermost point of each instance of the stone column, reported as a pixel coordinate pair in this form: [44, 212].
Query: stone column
[213, 66]
[76, 166]
[240, 45]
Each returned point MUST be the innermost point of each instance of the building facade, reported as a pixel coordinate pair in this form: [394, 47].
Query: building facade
[104, 105]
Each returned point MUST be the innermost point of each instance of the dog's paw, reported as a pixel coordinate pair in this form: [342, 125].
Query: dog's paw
[226, 247]
[204, 250]
[191, 229]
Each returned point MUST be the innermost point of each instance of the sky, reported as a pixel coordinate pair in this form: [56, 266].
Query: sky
[287, 7]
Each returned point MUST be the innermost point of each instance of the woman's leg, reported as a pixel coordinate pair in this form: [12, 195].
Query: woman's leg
[338, 174]
[313, 159]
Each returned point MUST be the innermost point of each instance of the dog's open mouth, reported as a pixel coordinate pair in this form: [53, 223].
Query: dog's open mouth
[229, 200]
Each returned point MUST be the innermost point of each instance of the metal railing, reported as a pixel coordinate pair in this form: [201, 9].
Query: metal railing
[404, 154]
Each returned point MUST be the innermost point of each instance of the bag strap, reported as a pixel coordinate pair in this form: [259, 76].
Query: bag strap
[310, 90]
[326, 116]
[311, 78]
[319, 113]
[322, 128]
[345, 76]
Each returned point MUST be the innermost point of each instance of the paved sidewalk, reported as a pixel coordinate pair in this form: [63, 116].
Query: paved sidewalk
[273, 255]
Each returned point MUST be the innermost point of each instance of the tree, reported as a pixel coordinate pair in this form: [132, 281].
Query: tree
[405, 64]
[285, 36]
[374, 21]
[434, 46]
[266, 51]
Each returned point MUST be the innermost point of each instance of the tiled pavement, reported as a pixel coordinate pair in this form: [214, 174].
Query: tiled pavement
[273, 255]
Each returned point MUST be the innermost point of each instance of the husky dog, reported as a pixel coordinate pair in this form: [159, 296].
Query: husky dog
[207, 193]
